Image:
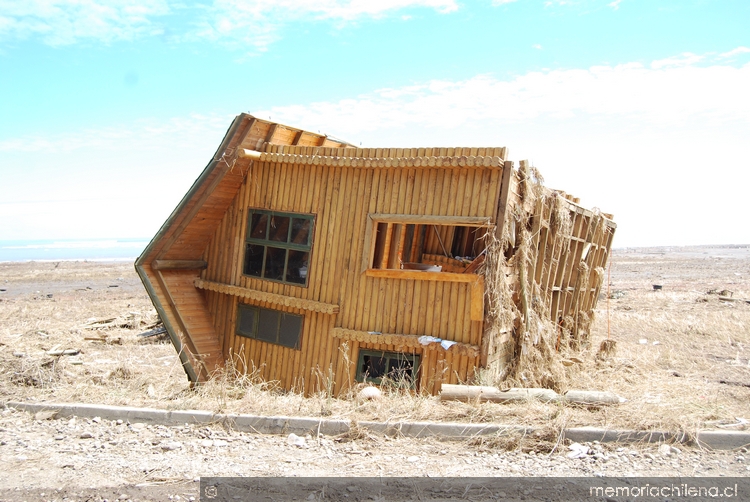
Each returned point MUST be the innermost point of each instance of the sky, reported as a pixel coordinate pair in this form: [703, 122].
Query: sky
[109, 110]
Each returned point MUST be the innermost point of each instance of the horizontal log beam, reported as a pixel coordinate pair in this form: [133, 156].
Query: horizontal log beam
[179, 265]
[400, 340]
[493, 162]
[428, 219]
[244, 153]
[421, 275]
[262, 296]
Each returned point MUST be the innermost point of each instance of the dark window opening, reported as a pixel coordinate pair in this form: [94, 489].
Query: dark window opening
[393, 368]
[446, 248]
[277, 246]
[272, 326]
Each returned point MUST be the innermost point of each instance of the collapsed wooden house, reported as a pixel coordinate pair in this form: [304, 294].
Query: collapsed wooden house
[317, 264]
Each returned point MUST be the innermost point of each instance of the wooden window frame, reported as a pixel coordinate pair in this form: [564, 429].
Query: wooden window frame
[287, 246]
[254, 332]
[375, 219]
[414, 359]
[476, 281]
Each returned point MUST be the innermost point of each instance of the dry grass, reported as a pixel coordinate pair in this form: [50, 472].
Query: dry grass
[673, 385]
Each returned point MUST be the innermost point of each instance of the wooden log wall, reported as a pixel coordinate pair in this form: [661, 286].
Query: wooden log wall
[570, 248]
[341, 197]
[568, 268]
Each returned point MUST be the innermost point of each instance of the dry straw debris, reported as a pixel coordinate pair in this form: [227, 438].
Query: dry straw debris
[673, 382]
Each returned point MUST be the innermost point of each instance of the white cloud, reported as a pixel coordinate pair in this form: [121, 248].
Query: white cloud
[654, 144]
[684, 59]
[615, 5]
[662, 148]
[256, 23]
[148, 134]
[63, 22]
[90, 183]
[662, 94]
[537, 46]
[734, 52]
[502, 2]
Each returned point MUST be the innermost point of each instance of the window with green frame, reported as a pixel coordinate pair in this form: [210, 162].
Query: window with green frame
[396, 367]
[277, 246]
[272, 326]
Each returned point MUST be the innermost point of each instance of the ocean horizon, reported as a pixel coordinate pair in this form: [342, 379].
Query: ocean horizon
[71, 249]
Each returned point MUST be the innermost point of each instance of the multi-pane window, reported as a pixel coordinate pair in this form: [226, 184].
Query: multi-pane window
[268, 325]
[396, 368]
[277, 246]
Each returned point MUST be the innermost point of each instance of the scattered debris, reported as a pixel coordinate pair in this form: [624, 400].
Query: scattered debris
[740, 423]
[722, 292]
[171, 446]
[593, 398]
[67, 352]
[160, 330]
[45, 415]
[577, 450]
[737, 384]
[729, 299]
[105, 339]
[369, 393]
[607, 349]
[295, 440]
[132, 320]
[484, 393]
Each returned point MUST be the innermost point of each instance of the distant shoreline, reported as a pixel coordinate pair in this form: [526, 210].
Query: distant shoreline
[46, 250]
[123, 250]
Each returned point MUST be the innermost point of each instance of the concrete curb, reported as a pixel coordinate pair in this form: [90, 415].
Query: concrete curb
[717, 440]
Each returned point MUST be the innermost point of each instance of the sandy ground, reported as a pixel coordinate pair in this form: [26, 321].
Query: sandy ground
[681, 361]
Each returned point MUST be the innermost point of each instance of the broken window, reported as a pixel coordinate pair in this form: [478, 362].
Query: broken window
[437, 244]
[395, 368]
[272, 326]
[277, 246]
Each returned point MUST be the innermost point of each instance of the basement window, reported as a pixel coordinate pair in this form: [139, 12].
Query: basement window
[277, 246]
[394, 368]
[267, 325]
[426, 243]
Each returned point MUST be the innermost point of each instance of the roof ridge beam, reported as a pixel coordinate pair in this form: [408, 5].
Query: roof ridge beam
[370, 162]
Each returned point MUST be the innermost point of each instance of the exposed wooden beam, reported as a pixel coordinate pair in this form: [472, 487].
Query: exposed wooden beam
[179, 265]
[297, 138]
[271, 132]
[348, 160]
[458, 348]
[428, 219]
[175, 311]
[244, 153]
[502, 206]
[262, 296]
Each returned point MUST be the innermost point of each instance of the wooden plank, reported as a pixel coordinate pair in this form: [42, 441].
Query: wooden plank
[179, 265]
[271, 298]
[502, 206]
[400, 340]
[422, 275]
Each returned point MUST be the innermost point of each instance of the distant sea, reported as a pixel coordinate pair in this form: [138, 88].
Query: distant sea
[83, 249]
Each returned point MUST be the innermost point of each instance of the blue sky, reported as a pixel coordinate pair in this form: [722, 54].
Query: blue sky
[110, 110]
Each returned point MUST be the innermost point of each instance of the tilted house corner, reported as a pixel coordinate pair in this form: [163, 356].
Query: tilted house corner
[318, 264]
